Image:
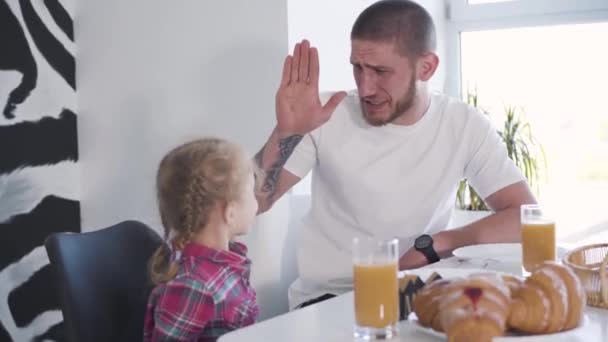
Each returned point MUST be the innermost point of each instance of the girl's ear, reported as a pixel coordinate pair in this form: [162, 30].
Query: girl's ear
[229, 213]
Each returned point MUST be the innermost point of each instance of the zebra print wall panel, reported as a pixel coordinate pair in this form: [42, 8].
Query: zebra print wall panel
[39, 178]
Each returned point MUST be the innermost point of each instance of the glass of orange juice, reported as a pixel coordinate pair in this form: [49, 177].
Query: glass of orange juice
[375, 271]
[537, 237]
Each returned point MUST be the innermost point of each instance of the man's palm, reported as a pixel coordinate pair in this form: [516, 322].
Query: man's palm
[299, 109]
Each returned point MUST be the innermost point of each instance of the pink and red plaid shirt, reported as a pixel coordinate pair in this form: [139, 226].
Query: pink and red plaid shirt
[209, 297]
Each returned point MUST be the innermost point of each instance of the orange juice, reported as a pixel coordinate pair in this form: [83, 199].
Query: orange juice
[538, 243]
[376, 295]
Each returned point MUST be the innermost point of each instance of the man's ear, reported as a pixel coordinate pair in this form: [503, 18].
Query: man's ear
[426, 66]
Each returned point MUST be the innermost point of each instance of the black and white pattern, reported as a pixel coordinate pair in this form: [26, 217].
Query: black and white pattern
[39, 179]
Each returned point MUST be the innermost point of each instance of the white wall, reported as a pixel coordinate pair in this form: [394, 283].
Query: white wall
[327, 25]
[152, 74]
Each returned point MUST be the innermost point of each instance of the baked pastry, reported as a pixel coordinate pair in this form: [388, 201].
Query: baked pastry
[551, 299]
[486, 305]
[512, 282]
[426, 303]
[577, 298]
[475, 309]
[530, 309]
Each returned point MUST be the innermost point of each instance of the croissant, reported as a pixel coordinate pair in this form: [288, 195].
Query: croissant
[552, 299]
[426, 303]
[475, 309]
[577, 297]
[530, 309]
[512, 282]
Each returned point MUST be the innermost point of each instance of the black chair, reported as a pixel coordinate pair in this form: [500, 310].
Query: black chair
[103, 280]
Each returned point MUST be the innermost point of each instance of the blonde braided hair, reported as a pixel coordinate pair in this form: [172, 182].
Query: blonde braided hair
[191, 180]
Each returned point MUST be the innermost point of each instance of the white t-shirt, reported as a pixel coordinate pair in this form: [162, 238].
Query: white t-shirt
[387, 181]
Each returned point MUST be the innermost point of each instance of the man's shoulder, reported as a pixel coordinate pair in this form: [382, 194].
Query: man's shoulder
[348, 111]
[457, 112]
[451, 105]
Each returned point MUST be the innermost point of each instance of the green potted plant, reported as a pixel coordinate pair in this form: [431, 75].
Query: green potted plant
[525, 151]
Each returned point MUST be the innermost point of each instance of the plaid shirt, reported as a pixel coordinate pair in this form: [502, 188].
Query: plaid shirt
[209, 297]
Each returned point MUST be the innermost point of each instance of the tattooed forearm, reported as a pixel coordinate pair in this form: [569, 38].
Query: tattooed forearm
[258, 157]
[286, 147]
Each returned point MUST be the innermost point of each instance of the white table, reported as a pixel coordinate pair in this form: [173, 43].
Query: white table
[333, 320]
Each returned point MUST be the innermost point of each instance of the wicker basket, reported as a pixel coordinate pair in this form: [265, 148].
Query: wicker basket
[589, 263]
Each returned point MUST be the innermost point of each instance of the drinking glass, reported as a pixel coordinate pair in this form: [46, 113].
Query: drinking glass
[375, 272]
[537, 237]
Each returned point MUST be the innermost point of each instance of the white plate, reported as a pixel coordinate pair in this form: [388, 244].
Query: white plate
[505, 252]
[413, 321]
[456, 272]
[424, 273]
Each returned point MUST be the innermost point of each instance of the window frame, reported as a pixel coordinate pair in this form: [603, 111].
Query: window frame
[465, 17]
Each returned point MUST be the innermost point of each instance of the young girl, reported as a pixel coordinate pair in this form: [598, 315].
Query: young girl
[206, 197]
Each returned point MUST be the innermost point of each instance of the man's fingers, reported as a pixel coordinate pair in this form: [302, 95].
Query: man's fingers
[304, 58]
[295, 63]
[286, 77]
[333, 102]
[314, 66]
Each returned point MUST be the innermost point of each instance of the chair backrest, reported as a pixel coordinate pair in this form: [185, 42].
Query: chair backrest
[103, 279]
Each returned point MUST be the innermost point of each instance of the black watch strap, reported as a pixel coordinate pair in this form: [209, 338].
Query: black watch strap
[430, 255]
[424, 244]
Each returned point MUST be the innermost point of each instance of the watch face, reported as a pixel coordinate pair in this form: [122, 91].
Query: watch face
[423, 241]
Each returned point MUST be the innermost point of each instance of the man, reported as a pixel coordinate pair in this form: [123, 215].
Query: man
[387, 158]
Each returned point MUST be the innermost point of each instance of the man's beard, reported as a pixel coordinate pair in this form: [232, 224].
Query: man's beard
[403, 105]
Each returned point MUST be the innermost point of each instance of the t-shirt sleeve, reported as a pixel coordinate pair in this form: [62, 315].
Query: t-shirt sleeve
[303, 158]
[489, 168]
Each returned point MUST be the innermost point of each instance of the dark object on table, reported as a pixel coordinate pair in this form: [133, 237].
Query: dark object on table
[408, 286]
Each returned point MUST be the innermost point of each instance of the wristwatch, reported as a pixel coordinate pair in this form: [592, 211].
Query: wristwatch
[424, 245]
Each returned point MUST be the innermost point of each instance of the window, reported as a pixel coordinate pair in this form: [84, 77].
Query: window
[475, 2]
[533, 11]
[554, 69]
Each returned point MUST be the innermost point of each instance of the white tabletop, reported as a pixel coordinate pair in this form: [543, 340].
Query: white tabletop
[333, 319]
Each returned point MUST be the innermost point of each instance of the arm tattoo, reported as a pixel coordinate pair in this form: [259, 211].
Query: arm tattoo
[286, 147]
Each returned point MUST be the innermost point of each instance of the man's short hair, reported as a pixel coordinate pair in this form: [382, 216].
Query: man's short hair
[402, 21]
